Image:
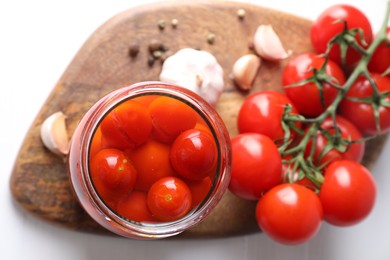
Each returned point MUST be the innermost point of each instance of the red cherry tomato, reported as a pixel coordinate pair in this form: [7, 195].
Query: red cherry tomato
[170, 117]
[325, 28]
[380, 61]
[199, 190]
[112, 173]
[96, 143]
[256, 165]
[169, 199]
[194, 154]
[348, 131]
[134, 207]
[361, 114]
[289, 213]
[128, 125]
[152, 163]
[262, 113]
[348, 193]
[306, 98]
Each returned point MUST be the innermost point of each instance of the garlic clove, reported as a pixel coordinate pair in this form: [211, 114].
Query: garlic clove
[245, 70]
[267, 44]
[54, 135]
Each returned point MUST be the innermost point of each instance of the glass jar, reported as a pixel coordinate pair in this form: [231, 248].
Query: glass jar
[86, 187]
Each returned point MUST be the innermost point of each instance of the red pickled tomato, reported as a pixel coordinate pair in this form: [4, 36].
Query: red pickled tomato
[152, 163]
[134, 207]
[194, 154]
[126, 126]
[112, 173]
[96, 143]
[169, 199]
[203, 127]
[145, 100]
[171, 117]
[199, 190]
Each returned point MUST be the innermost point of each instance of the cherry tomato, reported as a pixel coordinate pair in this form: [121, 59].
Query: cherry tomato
[203, 127]
[112, 173]
[289, 213]
[348, 193]
[348, 131]
[128, 125]
[96, 143]
[171, 117]
[169, 199]
[256, 165]
[152, 163]
[326, 27]
[380, 61]
[134, 206]
[262, 113]
[145, 100]
[199, 190]
[306, 98]
[361, 114]
[194, 154]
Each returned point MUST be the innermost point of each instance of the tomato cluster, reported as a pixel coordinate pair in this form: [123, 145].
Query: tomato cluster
[153, 158]
[298, 152]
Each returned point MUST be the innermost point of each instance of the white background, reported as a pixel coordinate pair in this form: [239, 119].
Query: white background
[38, 40]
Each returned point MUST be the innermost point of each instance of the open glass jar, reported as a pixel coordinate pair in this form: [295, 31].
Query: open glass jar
[150, 160]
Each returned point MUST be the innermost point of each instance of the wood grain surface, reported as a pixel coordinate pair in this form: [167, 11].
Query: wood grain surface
[39, 181]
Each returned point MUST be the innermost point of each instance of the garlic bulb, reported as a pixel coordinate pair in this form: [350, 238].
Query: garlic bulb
[195, 70]
[54, 135]
[267, 44]
[245, 70]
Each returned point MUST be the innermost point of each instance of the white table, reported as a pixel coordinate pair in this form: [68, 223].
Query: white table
[38, 40]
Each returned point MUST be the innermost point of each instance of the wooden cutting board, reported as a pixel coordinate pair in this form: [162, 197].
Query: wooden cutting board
[39, 181]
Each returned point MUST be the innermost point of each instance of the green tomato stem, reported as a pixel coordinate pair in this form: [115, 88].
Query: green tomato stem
[306, 164]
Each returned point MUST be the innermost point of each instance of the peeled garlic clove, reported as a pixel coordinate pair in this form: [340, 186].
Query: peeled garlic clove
[245, 71]
[54, 135]
[267, 44]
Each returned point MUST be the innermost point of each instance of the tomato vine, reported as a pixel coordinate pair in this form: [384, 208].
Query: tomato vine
[305, 166]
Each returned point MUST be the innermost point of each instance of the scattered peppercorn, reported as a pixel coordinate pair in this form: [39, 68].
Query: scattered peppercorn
[150, 60]
[161, 24]
[154, 45]
[163, 48]
[157, 51]
[211, 38]
[157, 54]
[241, 14]
[174, 23]
[134, 50]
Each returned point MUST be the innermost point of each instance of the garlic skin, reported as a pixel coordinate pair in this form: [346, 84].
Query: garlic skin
[195, 70]
[54, 135]
[267, 44]
[245, 70]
